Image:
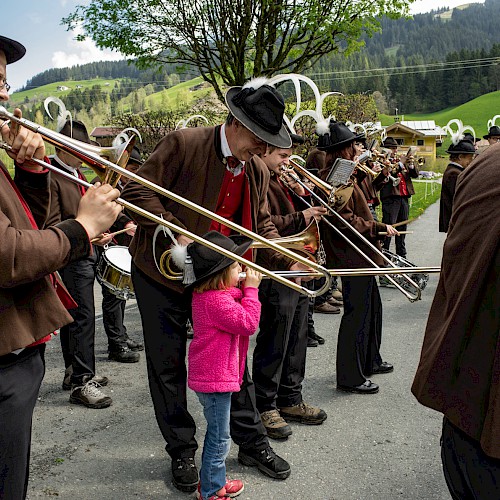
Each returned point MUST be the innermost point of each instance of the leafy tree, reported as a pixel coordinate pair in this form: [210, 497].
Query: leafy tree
[230, 41]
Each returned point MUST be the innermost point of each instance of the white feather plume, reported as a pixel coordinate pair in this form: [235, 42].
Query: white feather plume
[256, 83]
[62, 115]
[456, 135]
[179, 254]
[184, 123]
[492, 122]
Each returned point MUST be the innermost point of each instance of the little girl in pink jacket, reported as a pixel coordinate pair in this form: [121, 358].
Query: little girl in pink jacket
[224, 317]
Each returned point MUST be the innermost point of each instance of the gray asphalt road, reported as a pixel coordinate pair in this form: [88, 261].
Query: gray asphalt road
[383, 446]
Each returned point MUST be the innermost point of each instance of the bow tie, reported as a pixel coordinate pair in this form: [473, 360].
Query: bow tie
[232, 163]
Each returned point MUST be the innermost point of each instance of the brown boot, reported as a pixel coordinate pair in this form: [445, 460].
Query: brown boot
[303, 413]
[327, 308]
[275, 425]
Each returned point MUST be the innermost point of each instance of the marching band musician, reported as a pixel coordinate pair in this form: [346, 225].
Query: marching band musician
[395, 206]
[30, 302]
[279, 357]
[360, 333]
[217, 168]
[461, 155]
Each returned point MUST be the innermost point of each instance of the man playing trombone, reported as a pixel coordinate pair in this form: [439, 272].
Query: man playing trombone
[216, 168]
[31, 298]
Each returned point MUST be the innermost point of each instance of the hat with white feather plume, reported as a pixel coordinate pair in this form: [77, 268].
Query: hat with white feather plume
[459, 143]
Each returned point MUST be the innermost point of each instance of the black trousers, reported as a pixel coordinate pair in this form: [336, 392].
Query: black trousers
[396, 209]
[360, 332]
[164, 314]
[113, 313]
[279, 358]
[20, 379]
[470, 474]
[77, 338]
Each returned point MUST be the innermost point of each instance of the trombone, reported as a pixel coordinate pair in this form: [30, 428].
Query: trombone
[377, 270]
[101, 166]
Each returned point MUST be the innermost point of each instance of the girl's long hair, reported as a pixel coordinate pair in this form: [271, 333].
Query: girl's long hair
[216, 282]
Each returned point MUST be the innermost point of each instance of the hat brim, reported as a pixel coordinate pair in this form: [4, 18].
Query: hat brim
[280, 140]
[488, 136]
[243, 244]
[13, 50]
[462, 152]
[339, 145]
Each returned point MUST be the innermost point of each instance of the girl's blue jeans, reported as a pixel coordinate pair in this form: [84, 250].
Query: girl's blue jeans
[216, 407]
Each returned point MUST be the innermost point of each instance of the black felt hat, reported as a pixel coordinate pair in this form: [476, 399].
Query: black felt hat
[339, 136]
[13, 50]
[469, 137]
[464, 147]
[135, 156]
[76, 130]
[297, 139]
[492, 132]
[390, 142]
[260, 107]
[206, 262]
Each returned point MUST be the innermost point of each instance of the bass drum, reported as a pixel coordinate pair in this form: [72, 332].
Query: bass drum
[420, 279]
[113, 272]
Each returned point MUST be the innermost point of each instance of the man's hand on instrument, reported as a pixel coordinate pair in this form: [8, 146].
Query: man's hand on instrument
[25, 143]
[391, 231]
[184, 240]
[298, 266]
[131, 228]
[97, 211]
[314, 212]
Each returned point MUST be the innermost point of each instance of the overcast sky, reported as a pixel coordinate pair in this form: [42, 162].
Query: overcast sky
[37, 25]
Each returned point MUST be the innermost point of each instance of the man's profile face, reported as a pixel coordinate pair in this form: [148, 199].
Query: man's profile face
[244, 144]
[4, 95]
[493, 140]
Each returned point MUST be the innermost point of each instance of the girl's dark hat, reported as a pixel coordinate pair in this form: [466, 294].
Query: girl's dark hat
[13, 50]
[260, 109]
[339, 136]
[493, 132]
[207, 262]
[463, 147]
[390, 142]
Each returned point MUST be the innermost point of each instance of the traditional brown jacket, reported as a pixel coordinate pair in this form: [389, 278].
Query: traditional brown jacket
[189, 163]
[389, 190]
[459, 370]
[449, 181]
[29, 306]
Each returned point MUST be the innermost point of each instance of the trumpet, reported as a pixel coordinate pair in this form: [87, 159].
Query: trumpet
[101, 166]
[362, 165]
[412, 297]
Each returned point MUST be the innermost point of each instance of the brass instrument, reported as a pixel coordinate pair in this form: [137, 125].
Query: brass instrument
[101, 167]
[409, 283]
[374, 156]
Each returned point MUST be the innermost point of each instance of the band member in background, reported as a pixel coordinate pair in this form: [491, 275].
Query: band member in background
[461, 155]
[77, 338]
[360, 333]
[279, 358]
[216, 168]
[31, 309]
[395, 205]
[459, 370]
[493, 135]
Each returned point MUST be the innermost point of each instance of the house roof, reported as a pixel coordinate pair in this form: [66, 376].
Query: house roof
[424, 128]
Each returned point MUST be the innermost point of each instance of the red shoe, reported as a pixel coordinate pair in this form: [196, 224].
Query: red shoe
[233, 488]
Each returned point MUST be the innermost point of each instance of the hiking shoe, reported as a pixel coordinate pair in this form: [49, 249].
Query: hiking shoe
[66, 385]
[266, 460]
[135, 346]
[327, 308]
[89, 395]
[232, 489]
[185, 474]
[124, 355]
[337, 295]
[303, 413]
[275, 425]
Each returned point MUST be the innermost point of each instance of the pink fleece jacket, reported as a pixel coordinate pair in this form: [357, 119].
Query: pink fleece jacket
[223, 321]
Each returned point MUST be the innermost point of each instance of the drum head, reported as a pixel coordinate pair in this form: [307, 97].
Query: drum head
[119, 257]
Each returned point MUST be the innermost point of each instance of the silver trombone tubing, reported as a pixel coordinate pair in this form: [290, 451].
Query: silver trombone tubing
[94, 159]
[411, 298]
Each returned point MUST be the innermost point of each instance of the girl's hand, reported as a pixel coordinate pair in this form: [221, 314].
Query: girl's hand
[253, 278]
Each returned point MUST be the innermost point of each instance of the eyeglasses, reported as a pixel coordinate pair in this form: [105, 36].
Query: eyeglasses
[4, 85]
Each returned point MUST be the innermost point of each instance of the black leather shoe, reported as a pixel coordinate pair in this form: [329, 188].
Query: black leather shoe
[384, 367]
[311, 342]
[266, 460]
[367, 388]
[124, 355]
[135, 346]
[317, 338]
[185, 474]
